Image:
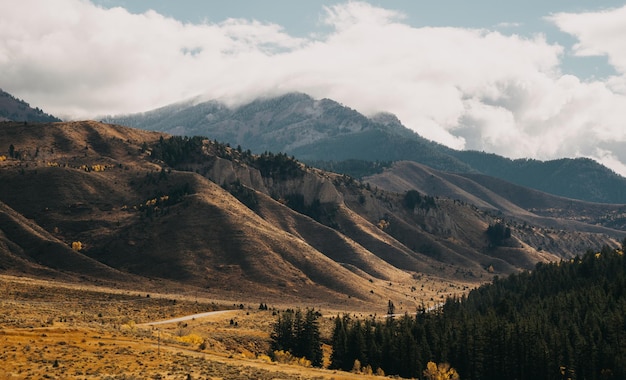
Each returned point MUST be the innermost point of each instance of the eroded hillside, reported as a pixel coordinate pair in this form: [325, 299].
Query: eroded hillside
[126, 202]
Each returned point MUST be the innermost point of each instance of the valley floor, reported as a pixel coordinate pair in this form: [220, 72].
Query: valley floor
[58, 330]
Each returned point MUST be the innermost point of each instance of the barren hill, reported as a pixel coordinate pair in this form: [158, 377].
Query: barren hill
[144, 205]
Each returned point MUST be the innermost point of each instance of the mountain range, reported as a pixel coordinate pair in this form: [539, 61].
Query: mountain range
[124, 206]
[325, 134]
[112, 203]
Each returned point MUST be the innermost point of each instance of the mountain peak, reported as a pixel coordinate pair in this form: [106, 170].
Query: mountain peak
[325, 130]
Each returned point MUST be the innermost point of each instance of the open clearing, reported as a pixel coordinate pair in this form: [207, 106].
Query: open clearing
[58, 330]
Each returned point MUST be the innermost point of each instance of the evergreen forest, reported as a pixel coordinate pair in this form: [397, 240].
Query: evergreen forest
[563, 320]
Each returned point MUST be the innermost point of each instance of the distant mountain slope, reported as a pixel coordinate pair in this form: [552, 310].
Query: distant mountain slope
[500, 196]
[580, 178]
[13, 109]
[204, 214]
[324, 130]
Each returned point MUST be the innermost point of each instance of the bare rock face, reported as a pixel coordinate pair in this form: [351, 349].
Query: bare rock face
[311, 185]
[225, 171]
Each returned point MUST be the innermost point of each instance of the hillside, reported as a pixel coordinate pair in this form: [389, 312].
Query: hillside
[324, 132]
[13, 109]
[489, 193]
[144, 205]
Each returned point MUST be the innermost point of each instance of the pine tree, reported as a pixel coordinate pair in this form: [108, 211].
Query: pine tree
[282, 335]
[311, 341]
[339, 344]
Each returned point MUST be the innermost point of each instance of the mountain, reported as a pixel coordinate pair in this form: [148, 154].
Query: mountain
[324, 132]
[106, 201]
[580, 178]
[13, 109]
[501, 197]
[298, 125]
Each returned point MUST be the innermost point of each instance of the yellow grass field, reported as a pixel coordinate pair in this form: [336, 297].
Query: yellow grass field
[53, 330]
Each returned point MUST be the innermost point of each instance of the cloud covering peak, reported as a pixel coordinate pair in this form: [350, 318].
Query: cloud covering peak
[466, 88]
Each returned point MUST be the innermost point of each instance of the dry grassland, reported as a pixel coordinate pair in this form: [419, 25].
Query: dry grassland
[53, 330]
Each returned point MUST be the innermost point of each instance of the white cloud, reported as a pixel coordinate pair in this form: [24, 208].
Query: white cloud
[466, 88]
[598, 33]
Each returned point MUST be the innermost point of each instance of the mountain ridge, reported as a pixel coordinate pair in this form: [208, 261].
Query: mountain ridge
[14, 109]
[319, 131]
[146, 205]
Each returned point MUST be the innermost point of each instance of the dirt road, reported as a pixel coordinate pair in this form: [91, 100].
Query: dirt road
[187, 317]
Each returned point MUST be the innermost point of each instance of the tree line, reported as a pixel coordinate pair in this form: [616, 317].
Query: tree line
[563, 320]
[177, 150]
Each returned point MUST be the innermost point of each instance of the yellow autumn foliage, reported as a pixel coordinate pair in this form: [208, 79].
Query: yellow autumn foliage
[264, 358]
[382, 224]
[77, 246]
[286, 357]
[192, 339]
[441, 371]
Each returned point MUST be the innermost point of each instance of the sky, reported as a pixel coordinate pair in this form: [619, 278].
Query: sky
[530, 79]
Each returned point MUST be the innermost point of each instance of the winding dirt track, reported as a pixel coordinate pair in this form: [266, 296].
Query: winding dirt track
[187, 318]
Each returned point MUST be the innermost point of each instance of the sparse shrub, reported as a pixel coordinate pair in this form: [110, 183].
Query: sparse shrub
[182, 329]
[77, 246]
[383, 224]
[129, 326]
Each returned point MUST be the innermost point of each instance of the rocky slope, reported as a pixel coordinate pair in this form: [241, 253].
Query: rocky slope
[196, 212]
